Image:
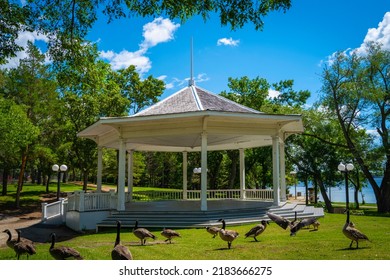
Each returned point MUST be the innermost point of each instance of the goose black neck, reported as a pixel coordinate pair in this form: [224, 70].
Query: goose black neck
[9, 235]
[18, 236]
[347, 217]
[118, 229]
[53, 241]
[223, 224]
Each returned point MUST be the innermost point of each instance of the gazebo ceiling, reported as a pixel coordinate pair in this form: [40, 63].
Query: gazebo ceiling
[176, 124]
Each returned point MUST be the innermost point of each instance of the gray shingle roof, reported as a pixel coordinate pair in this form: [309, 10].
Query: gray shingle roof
[193, 99]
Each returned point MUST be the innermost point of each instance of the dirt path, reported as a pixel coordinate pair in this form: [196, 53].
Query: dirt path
[16, 222]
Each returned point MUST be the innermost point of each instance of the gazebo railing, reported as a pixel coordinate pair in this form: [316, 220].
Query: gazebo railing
[266, 195]
[80, 201]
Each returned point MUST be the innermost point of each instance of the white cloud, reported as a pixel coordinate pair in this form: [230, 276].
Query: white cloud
[158, 31]
[175, 82]
[125, 58]
[228, 42]
[380, 35]
[273, 93]
[23, 38]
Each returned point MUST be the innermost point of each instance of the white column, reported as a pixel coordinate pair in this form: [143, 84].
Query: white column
[121, 176]
[276, 169]
[185, 175]
[203, 180]
[99, 170]
[282, 172]
[130, 174]
[242, 173]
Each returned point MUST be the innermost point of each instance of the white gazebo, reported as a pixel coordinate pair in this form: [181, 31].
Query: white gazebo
[195, 120]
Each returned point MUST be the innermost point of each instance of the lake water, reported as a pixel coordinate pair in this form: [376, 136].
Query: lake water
[337, 194]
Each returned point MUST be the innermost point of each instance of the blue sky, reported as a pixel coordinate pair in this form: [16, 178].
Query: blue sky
[293, 45]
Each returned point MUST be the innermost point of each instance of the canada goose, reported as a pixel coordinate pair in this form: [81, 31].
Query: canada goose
[257, 230]
[24, 246]
[302, 223]
[142, 233]
[279, 220]
[62, 252]
[227, 235]
[213, 231]
[120, 252]
[169, 234]
[10, 242]
[316, 224]
[353, 233]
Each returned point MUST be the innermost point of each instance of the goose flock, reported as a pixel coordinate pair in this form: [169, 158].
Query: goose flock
[23, 246]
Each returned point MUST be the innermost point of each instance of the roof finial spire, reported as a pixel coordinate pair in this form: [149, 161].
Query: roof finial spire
[191, 82]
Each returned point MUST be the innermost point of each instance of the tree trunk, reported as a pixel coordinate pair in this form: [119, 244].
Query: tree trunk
[21, 178]
[85, 180]
[324, 194]
[5, 180]
[356, 197]
[47, 182]
[383, 202]
[306, 191]
[39, 176]
[315, 190]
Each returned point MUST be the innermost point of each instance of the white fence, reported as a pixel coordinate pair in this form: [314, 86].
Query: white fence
[81, 201]
[94, 201]
[54, 210]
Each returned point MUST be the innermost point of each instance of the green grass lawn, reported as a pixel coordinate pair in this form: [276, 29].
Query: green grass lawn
[328, 243]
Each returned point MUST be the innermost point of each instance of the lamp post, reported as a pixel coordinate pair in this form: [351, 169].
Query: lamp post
[346, 168]
[59, 169]
[294, 173]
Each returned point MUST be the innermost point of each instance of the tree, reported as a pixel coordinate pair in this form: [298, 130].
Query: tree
[16, 132]
[32, 86]
[254, 93]
[317, 152]
[140, 93]
[13, 19]
[356, 88]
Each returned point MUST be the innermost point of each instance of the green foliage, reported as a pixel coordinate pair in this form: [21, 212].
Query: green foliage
[140, 93]
[13, 20]
[16, 130]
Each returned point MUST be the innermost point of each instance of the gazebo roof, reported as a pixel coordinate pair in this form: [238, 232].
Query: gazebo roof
[177, 123]
[193, 99]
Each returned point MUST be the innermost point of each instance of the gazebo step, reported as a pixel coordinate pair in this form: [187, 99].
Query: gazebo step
[200, 219]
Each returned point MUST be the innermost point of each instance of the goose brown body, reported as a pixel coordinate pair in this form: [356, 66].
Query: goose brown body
[353, 233]
[169, 234]
[213, 231]
[24, 247]
[142, 233]
[257, 230]
[120, 252]
[303, 223]
[63, 252]
[227, 235]
[279, 220]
